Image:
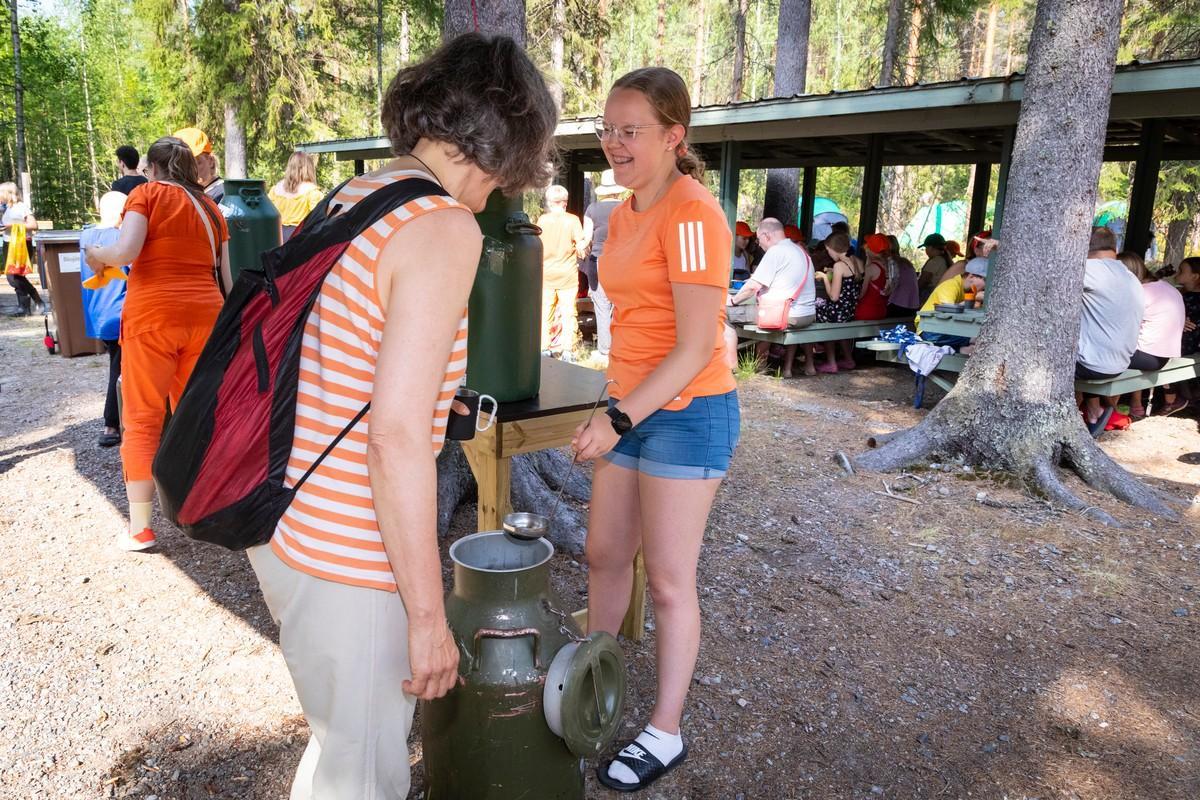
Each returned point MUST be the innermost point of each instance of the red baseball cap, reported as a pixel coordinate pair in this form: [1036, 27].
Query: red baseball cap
[743, 229]
[878, 243]
[793, 233]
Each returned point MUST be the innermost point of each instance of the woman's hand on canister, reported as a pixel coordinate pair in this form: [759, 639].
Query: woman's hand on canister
[434, 659]
[594, 439]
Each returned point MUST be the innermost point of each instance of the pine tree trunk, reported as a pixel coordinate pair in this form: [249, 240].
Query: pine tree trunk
[558, 29]
[91, 138]
[604, 77]
[404, 38]
[19, 105]
[967, 44]
[1013, 407]
[791, 73]
[989, 46]
[698, 55]
[1177, 235]
[912, 61]
[660, 37]
[891, 39]
[496, 17]
[235, 143]
[740, 7]
[379, 52]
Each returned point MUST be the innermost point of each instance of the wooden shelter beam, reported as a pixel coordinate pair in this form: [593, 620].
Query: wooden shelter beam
[979, 197]
[872, 184]
[1145, 185]
[808, 200]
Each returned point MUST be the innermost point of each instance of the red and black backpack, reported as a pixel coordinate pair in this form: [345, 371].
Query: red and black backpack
[221, 461]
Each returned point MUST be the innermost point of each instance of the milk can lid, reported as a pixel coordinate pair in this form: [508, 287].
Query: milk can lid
[585, 694]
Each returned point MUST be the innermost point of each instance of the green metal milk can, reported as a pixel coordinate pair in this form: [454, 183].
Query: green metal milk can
[504, 337]
[253, 221]
[534, 696]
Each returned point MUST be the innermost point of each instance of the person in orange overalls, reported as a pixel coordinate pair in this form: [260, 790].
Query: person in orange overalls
[172, 235]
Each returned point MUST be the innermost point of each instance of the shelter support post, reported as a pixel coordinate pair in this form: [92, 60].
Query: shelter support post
[979, 198]
[360, 166]
[872, 183]
[731, 171]
[1145, 185]
[1006, 149]
[576, 188]
[808, 201]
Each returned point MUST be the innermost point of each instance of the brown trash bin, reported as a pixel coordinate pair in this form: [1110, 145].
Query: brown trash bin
[58, 255]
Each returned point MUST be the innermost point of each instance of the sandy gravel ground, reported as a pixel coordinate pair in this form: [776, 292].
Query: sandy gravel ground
[975, 643]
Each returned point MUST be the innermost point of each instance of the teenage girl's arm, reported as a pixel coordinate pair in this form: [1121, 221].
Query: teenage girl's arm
[126, 248]
[697, 307]
[417, 342]
[871, 273]
[833, 286]
[226, 273]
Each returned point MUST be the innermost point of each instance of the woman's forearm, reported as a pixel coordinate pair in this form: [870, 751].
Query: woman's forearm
[404, 487]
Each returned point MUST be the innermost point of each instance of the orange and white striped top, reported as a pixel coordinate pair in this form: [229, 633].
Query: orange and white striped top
[329, 530]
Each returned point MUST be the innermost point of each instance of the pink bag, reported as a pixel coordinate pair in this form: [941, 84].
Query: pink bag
[773, 314]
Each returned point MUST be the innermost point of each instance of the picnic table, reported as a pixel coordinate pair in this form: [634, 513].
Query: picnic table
[564, 400]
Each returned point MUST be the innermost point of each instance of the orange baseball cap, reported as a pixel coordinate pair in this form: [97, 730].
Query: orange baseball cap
[743, 229]
[793, 233]
[878, 243]
[194, 138]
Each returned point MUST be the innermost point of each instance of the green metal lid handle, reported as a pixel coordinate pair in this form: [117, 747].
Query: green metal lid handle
[514, 633]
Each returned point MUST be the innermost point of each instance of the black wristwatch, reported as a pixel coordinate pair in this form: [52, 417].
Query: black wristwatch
[620, 421]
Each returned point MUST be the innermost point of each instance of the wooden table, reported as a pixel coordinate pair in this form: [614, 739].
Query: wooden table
[564, 401]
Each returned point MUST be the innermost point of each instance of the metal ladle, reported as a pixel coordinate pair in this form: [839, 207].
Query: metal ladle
[526, 526]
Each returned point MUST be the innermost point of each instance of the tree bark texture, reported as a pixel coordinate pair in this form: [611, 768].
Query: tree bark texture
[989, 46]
[791, 75]
[496, 17]
[1013, 407]
[91, 134]
[558, 28]
[1177, 234]
[698, 54]
[740, 7]
[891, 38]
[660, 36]
[912, 59]
[235, 143]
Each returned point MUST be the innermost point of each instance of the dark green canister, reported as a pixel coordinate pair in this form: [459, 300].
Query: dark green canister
[504, 337]
[253, 222]
[534, 696]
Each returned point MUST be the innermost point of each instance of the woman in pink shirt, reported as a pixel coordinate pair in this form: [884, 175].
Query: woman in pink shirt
[1162, 325]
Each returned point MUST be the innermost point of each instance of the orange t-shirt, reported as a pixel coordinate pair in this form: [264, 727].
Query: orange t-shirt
[683, 238]
[560, 263]
[171, 281]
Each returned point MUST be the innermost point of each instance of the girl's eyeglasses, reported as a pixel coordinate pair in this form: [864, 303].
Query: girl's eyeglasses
[624, 133]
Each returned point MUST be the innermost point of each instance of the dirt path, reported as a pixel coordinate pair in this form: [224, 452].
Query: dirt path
[974, 644]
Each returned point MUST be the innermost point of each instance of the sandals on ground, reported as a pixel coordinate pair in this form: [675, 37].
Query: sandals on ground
[642, 763]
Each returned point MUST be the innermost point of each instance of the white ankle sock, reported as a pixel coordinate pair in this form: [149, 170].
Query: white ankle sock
[139, 516]
[664, 746]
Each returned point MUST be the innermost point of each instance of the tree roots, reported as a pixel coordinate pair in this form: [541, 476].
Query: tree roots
[1031, 455]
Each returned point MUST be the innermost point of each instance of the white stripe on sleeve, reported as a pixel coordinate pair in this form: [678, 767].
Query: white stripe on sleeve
[700, 241]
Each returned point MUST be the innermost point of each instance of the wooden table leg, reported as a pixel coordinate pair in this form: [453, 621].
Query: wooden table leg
[634, 625]
[493, 476]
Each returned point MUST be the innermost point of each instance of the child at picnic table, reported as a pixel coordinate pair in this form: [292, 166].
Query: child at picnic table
[1159, 338]
[873, 302]
[951, 292]
[843, 284]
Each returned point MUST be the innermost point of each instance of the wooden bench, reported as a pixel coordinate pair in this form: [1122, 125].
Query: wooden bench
[1131, 380]
[823, 331]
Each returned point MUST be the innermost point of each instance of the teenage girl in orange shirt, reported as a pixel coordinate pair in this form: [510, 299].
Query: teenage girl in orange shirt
[170, 236]
[672, 425]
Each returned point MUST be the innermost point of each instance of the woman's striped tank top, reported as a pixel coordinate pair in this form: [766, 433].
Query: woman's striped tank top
[329, 530]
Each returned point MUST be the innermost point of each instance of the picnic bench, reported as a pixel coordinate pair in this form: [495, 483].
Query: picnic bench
[1131, 380]
[822, 331]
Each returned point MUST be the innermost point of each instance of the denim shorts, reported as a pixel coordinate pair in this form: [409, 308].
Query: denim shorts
[693, 443]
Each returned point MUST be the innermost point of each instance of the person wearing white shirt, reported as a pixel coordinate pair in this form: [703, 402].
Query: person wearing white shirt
[786, 271]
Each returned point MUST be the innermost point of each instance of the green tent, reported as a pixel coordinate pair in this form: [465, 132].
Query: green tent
[948, 219]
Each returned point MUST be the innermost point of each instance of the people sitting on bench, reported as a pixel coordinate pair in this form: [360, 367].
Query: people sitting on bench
[980, 245]
[904, 296]
[1113, 306]
[951, 292]
[742, 258]
[843, 286]
[937, 261]
[1176, 396]
[1160, 337]
[873, 299]
[785, 272]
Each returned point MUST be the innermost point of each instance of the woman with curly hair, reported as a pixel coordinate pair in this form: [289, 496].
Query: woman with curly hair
[352, 573]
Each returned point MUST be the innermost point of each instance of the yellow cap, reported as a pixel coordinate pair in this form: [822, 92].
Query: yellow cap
[194, 138]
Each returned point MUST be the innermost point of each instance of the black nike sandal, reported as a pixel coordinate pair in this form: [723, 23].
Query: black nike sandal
[642, 763]
[1096, 429]
[109, 439]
